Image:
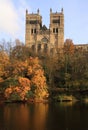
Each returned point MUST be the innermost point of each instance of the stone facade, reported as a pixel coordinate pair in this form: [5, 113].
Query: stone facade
[39, 37]
[83, 47]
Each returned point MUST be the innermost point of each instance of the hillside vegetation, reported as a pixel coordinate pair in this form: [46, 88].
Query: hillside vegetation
[25, 74]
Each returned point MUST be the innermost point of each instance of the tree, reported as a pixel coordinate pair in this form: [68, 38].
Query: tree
[18, 92]
[68, 53]
[4, 61]
[30, 81]
[38, 81]
[20, 52]
[69, 47]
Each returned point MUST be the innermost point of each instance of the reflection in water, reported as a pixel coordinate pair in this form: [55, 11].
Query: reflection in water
[67, 104]
[25, 117]
[39, 117]
[16, 116]
[58, 116]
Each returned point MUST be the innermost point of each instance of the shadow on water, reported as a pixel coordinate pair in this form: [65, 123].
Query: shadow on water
[39, 116]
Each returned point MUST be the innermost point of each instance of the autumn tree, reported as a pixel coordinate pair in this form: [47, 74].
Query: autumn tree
[69, 47]
[18, 92]
[38, 81]
[4, 61]
[20, 52]
[30, 81]
[80, 69]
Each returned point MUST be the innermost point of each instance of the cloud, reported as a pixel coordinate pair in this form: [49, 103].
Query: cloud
[12, 18]
[21, 11]
[8, 17]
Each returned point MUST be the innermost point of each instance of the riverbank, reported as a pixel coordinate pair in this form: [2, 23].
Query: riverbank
[64, 98]
[55, 95]
[66, 95]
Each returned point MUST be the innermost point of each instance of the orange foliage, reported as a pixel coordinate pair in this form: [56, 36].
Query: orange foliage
[38, 78]
[21, 90]
[19, 67]
[4, 61]
[69, 46]
[35, 73]
[24, 82]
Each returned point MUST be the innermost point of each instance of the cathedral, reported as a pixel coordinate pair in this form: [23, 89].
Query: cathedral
[42, 39]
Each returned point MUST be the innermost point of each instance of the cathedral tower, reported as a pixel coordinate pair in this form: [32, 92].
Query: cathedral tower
[57, 29]
[39, 37]
[33, 25]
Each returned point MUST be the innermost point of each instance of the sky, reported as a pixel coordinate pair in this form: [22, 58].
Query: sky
[12, 17]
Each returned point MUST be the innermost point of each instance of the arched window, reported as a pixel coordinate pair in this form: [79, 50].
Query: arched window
[44, 40]
[45, 47]
[33, 47]
[39, 47]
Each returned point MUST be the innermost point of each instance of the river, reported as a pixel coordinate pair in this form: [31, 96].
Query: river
[40, 116]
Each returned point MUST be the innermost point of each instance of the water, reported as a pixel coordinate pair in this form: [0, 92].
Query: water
[52, 116]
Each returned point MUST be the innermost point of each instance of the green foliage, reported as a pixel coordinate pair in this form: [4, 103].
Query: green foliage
[9, 82]
[63, 97]
[30, 94]
[33, 88]
[14, 97]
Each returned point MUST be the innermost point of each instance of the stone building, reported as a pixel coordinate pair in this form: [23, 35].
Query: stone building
[83, 47]
[41, 39]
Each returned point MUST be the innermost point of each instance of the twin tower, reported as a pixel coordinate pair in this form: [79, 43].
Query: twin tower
[41, 39]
